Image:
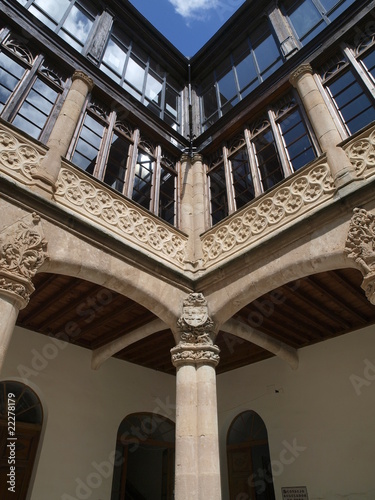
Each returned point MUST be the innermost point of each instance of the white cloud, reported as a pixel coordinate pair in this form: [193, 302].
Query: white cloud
[193, 9]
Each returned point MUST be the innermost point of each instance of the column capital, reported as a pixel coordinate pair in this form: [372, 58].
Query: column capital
[196, 332]
[197, 157]
[80, 75]
[23, 249]
[303, 69]
[360, 246]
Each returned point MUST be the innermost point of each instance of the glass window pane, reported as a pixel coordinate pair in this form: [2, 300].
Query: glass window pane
[268, 159]
[242, 179]
[114, 57]
[304, 16]
[143, 180]
[34, 112]
[53, 9]
[355, 107]
[171, 102]
[88, 144]
[369, 62]
[219, 200]
[267, 53]
[116, 163]
[246, 71]
[78, 24]
[135, 74]
[209, 103]
[10, 74]
[154, 89]
[167, 195]
[227, 87]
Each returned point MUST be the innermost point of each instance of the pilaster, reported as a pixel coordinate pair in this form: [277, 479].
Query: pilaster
[197, 450]
[22, 252]
[323, 124]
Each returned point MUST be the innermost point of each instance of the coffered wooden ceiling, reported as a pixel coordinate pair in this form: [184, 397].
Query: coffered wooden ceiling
[300, 313]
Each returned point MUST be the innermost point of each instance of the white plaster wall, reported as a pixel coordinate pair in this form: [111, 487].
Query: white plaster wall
[84, 409]
[324, 412]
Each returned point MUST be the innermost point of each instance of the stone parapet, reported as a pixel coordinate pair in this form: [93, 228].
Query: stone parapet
[113, 212]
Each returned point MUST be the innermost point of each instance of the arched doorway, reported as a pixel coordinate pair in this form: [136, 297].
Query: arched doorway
[249, 463]
[144, 466]
[21, 419]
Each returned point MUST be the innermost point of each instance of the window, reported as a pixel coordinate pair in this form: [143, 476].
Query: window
[145, 449]
[348, 78]
[272, 147]
[249, 463]
[113, 151]
[237, 75]
[26, 406]
[71, 19]
[30, 88]
[310, 17]
[129, 66]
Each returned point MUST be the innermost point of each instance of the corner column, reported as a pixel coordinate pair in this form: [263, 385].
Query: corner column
[63, 130]
[193, 204]
[324, 126]
[22, 252]
[197, 472]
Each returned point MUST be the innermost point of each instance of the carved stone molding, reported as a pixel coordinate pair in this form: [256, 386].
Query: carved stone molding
[301, 70]
[300, 193]
[196, 330]
[120, 216]
[360, 246]
[195, 354]
[23, 249]
[19, 159]
[361, 153]
[80, 75]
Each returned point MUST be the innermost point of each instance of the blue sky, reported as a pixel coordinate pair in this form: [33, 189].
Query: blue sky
[188, 24]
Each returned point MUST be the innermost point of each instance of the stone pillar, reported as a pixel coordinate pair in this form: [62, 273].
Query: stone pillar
[193, 204]
[360, 247]
[63, 130]
[197, 443]
[324, 126]
[22, 252]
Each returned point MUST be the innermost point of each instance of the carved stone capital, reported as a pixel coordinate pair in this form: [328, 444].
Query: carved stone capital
[360, 246]
[80, 75]
[300, 71]
[197, 332]
[184, 354]
[22, 251]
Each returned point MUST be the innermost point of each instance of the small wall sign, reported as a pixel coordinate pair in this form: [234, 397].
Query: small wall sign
[295, 493]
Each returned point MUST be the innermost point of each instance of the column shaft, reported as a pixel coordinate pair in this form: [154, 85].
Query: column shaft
[208, 442]
[323, 124]
[8, 317]
[186, 470]
[63, 130]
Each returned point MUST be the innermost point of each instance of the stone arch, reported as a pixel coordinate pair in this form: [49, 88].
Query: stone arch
[265, 269]
[99, 265]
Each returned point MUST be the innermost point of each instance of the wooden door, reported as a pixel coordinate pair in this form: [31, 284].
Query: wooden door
[240, 467]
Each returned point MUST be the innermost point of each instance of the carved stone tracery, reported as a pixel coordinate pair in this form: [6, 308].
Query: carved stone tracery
[196, 330]
[23, 249]
[360, 246]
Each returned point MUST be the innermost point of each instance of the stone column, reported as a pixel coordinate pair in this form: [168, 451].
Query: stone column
[193, 204]
[324, 126]
[197, 442]
[63, 130]
[22, 252]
